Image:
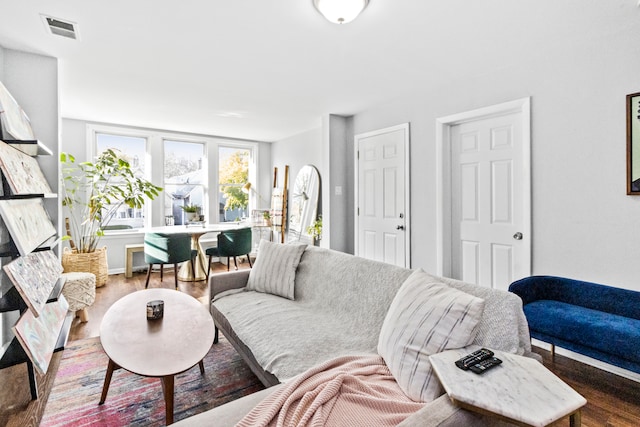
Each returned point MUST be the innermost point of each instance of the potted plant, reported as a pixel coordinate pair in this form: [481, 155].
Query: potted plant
[266, 216]
[315, 229]
[192, 212]
[93, 192]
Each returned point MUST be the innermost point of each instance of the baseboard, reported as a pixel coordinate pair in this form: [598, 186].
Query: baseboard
[588, 360]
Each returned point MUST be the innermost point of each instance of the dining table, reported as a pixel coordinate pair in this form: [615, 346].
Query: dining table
[196, 231]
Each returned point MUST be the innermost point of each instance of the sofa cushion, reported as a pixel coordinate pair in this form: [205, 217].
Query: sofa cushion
[274, 271]
[608, 333]
[287, 337]
[425, 317]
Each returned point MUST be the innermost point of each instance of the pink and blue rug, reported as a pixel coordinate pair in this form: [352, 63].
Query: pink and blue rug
[136, 400]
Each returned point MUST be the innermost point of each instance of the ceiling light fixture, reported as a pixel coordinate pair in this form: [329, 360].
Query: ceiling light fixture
[340, 11]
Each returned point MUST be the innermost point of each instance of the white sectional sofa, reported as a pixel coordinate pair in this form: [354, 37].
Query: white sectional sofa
[338, 308]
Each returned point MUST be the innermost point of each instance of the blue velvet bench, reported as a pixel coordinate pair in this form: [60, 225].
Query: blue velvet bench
[602, 322]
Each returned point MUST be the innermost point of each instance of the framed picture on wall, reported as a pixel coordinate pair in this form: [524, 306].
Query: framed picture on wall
[633, 144]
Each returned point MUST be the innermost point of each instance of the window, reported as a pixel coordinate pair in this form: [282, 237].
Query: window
[133, 150]
[192, 170]
[233, 174]
[184, 179]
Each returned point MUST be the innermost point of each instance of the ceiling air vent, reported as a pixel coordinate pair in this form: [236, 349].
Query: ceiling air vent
[60, 28]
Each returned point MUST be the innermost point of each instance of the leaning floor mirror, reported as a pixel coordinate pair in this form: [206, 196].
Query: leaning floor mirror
[303, 206]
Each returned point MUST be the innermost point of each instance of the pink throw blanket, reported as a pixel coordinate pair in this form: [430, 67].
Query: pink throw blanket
[349, 390]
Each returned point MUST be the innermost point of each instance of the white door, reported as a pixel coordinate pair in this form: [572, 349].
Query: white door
[382, 202]
[490, 198]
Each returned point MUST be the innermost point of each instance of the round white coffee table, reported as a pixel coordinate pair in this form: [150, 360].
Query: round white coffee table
[156, 348]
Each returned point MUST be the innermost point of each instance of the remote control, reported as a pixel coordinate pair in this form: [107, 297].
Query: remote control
[485, 365]
[473, 358]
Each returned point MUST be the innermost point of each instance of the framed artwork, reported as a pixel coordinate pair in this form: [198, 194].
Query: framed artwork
[34, 276]
[14, 120]
[633, 144]
[38, 335]
[28, 223]
[22, 172]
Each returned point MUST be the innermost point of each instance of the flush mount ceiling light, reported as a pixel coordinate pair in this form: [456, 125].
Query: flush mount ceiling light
[340, 11]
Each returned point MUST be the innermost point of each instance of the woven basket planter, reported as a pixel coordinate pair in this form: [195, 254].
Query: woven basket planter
[94, 262]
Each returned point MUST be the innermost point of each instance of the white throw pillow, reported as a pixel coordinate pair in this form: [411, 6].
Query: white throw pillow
[274, 271]
[425, 318]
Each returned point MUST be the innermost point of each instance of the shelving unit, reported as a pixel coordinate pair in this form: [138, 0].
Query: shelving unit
[11, 300]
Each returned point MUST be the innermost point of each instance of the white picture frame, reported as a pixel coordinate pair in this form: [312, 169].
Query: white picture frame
[22, 172]
[14, 120]
[28, 223]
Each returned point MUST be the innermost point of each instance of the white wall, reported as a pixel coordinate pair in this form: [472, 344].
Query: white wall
[584, 224]
[296, 152]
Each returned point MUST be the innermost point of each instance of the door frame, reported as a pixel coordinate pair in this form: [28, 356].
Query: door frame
[444, 196]
[407, 187]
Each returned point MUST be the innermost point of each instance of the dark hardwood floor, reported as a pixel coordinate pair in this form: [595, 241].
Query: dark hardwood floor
[612, 400]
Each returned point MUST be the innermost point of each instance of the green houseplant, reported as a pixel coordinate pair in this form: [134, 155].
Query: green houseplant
[92, 192]
[315, 229]
[192, 211]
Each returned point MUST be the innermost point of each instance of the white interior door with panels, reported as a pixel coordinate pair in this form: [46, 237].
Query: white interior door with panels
[382, 195]
[485, 190]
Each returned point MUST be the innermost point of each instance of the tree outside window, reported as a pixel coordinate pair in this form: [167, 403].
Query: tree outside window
[233, 174]
[133, 150]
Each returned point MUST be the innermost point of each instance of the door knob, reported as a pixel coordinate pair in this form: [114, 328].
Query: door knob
[518, 236]
[400, 227]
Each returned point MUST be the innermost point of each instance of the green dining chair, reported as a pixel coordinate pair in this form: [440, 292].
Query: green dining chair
[167, 249]
[231, 243]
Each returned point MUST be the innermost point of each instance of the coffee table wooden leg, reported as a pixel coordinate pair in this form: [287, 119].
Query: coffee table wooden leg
[107, 380]
[201, 364]
[167, 389]
[575, 419]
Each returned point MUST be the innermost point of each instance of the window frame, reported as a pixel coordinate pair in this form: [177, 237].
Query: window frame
[205, 171]
[154, 165]
[92, 150]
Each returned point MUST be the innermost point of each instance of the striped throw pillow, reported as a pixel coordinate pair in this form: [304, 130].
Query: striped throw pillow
[425, 318]
[274, 271]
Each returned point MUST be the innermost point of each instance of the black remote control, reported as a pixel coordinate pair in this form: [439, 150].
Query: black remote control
[485, 365]
[473, 358]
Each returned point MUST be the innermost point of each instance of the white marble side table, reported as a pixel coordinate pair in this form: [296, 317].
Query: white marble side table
[520, 390]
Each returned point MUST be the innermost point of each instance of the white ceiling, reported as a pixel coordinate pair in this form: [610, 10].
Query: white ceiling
[270, 69]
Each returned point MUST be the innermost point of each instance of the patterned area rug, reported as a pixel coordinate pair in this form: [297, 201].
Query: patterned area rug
[136, 400]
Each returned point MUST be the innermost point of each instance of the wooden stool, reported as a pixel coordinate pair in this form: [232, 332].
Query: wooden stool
[80, 291]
